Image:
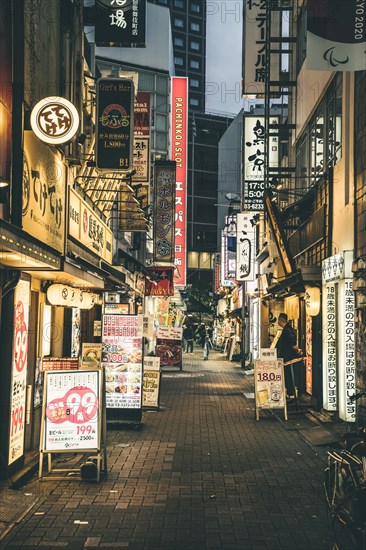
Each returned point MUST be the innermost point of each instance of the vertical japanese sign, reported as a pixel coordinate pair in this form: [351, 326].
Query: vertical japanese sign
[245, 247]
[179, 132]
[255, 69]
[141, 148]
[122, 360]
[164, 211]
[229, 234]
[120, 23]
[224, 262]
[150, 396]
[346, 341]
[336, 35]
[114, 124]
[309, 355]
[72, 410]
[19, 371]
[255, 161]
[329, 348]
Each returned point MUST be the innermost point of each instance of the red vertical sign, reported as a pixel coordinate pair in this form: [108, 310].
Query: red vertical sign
[179, 94]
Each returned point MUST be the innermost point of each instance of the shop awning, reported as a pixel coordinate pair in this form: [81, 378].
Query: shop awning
[18, 250]
[295, 284]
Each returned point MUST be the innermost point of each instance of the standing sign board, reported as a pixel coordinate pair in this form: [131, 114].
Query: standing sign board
[152, 376]
[73, 420]
[269, 383]
[122, 360]
[169, 346]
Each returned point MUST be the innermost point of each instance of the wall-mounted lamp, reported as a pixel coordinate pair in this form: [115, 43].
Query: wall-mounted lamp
[3, 183]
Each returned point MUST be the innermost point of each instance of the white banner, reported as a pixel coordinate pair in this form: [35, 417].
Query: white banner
[329, 348]
[245, 247]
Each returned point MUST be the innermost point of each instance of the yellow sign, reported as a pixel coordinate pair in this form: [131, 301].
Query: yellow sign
[44, 183]
[87, 228]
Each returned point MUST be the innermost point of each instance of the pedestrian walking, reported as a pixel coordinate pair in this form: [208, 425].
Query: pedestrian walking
[287, 349]
[188, 336]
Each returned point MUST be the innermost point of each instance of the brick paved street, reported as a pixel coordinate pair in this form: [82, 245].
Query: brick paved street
[200, 474]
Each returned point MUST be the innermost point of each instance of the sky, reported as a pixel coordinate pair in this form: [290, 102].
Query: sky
[223, 55]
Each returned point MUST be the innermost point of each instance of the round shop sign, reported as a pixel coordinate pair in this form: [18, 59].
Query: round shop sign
[55, 120]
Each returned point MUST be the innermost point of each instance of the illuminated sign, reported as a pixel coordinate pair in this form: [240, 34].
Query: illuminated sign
[255, 160]
[114, 125]
[179, 126]
[67, 296]
[120, 23]
[54, 120]
[245, 247]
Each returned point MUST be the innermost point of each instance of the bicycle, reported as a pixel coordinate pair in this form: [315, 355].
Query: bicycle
[345, 490]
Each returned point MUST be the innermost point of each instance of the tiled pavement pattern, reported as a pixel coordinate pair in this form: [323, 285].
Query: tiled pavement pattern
[201, 473]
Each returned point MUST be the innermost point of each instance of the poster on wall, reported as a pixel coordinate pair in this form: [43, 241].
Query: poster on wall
[19, 371]
[122, 360]
[269, 382]
[91, 355]
[72, 410]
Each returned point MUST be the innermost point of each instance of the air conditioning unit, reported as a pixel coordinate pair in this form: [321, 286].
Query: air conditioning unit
[112, 298]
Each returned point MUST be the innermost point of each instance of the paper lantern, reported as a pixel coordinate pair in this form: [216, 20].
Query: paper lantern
[312, 300]
[68, 296]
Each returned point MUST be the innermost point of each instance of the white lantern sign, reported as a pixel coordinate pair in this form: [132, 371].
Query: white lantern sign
[55, 120]
[67, 296]
[312, 300]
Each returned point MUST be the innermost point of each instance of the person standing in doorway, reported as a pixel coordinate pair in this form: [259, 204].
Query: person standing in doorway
[287, 349]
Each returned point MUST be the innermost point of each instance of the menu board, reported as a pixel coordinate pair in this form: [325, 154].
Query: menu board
[122, 361]
[71, 410]
[59, 363]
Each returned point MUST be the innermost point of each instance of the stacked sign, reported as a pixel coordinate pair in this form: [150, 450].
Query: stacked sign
[141, 149]
[179, 127]
[228, 252]
[122, 359]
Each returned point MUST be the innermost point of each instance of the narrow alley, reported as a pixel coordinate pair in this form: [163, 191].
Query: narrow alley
[199, 474]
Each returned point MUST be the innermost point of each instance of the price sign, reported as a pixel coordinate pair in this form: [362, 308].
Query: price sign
[72, 406]
[269, 383]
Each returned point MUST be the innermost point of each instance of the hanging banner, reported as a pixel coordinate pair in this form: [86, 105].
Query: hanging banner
[19, 371]
[255, 68]
[254, 160]
[122, 360]
[329, 348]
[336, 35]
[120, 23]
[164, 211]
[159, 282]
[114, 124]
[72, 410]
[179, 133]
[245, 247]
[347, 351]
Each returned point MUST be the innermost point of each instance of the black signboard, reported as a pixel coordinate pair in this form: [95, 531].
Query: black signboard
[120, 23]
[115, 121]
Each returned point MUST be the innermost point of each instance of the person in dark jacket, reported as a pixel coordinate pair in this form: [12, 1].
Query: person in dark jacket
[188, 336]
[287, 349]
